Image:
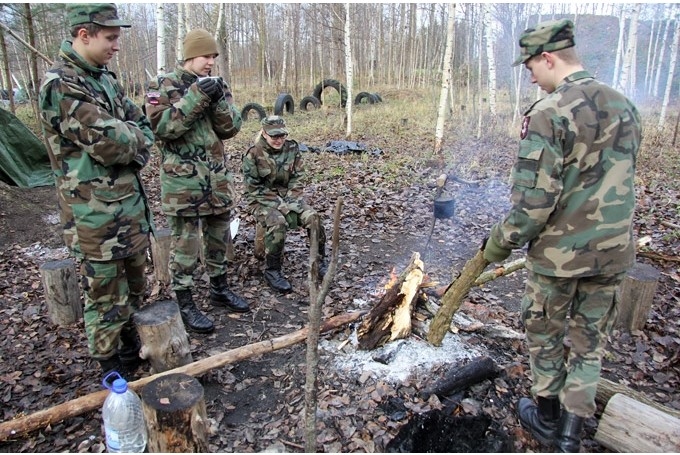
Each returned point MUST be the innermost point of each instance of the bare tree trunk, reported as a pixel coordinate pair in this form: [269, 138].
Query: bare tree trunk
[286, 41]
[619, 45]
[491, 59]
[479, 78]
[446, 83]
[161, 64]
[650, 56]
[33, 85]
[659, 65]
[181, 30]
[349, 71]
[8, 78]
[669, 81]
[624, 85]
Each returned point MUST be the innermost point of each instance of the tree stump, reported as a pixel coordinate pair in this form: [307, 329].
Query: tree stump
[635, 295]
[627, 425]
[62, 294]
[165, 342]
[160, 253]
[259, 241]
[175, 414]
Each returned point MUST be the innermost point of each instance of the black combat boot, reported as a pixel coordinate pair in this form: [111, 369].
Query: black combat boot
[221, 295]
[130, 346]
[568, 435]
[191, 315]
[540, 420]
[273, 275]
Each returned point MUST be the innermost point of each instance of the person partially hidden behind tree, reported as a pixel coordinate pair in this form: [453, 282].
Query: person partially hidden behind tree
[272, 172]
[191, 114]
[573, 200]
[98, 140]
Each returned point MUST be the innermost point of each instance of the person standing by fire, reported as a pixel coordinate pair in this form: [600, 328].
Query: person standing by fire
[191, 114]
[573, 200]
[272, 172]
[98, 140]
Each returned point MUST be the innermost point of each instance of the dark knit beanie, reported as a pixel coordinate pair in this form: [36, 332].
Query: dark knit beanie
[197, 43]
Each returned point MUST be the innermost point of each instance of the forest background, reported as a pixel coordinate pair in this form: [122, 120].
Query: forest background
[266, 49]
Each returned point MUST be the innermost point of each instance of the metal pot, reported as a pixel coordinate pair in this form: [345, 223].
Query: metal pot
[444, 207]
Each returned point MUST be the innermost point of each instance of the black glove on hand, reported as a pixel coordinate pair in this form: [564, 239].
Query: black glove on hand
[211, 87]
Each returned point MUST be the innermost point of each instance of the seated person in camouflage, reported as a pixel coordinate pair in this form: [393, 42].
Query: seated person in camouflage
[98, 140]
[272, 169]
[191, 115]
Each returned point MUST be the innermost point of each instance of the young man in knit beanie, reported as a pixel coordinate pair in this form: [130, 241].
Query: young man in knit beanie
[191, 114]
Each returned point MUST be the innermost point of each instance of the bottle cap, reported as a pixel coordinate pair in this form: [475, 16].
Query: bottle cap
[120, 385]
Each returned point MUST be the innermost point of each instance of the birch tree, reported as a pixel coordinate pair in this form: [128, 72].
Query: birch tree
[161, 64]
[673, 60]
[491, 59]
[659, 66]
[619, 45]
[286, 41]
[349, 71]
[446, 82]
[181, 31]
[625, 86]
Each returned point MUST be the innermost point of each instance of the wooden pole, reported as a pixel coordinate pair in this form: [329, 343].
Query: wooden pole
[160, 254]
[454, 296]
[19, 426]
[33, 49]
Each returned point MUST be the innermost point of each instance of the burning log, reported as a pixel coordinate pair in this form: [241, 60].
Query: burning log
[390, 319]
[454, 296]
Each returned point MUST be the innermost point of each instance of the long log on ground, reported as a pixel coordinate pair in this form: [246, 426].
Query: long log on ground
[454, 296]
[628, 426]
[607, 389]
[460, 378]
[19, 426]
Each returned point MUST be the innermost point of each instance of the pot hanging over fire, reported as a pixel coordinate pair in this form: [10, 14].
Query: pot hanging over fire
[444, 207]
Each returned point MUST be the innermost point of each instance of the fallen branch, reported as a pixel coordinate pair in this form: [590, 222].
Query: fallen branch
[41, 419]
[505, 269]
[657, 256]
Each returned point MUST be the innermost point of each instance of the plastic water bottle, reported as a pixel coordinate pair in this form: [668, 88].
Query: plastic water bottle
[124, 424]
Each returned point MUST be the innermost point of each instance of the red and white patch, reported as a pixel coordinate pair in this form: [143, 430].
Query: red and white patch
[525, 128]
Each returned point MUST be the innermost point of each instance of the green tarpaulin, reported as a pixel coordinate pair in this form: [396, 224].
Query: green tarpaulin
[23, 157]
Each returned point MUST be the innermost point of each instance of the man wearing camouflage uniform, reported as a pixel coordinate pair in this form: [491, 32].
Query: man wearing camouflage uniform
[572, 201]
[98, 140]
[191, 114]
[272, 170]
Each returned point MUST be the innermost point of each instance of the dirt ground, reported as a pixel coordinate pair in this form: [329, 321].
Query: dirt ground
[258, 404]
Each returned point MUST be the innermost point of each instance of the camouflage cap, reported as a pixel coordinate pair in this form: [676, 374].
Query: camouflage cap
[104, 14]
[274, 125]
[545, 37]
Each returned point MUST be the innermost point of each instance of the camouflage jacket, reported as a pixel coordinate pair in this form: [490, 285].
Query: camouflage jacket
[573, 193]
[97, 140]
[272, 177]
[194, 178]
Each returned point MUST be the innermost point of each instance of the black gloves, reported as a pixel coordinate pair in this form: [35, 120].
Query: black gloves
[212, 87]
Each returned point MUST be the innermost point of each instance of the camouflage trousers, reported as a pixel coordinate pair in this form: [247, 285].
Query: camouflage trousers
[113, 291]
[276, 224]
[584, 309]
[189, 235]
